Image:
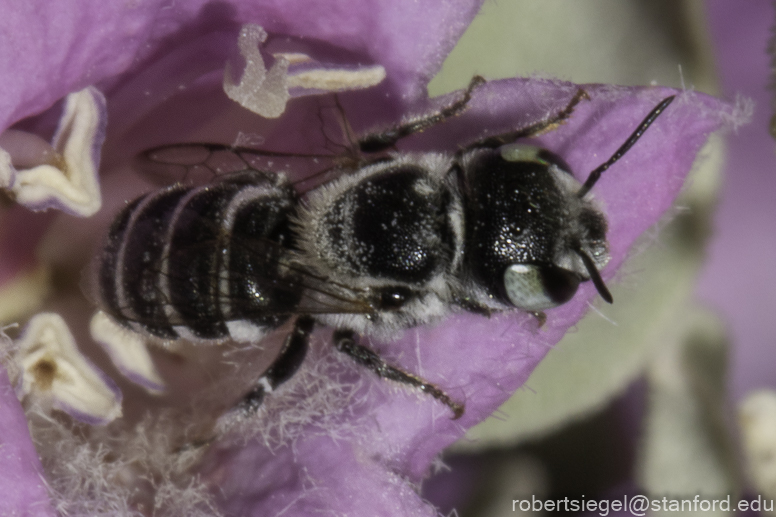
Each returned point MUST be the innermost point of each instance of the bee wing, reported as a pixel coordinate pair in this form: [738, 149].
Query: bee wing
[289, 278]
[200, 163]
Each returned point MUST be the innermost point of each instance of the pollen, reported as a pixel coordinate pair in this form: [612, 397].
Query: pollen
[44, 372]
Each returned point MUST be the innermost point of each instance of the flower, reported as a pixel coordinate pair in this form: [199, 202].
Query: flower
[366, 448]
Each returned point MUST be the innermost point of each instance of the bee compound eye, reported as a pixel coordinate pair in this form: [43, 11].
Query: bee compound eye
[535, 288]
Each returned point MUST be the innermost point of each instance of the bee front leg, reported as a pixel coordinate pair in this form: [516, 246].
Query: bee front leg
[345, 341]
[284, 367]
[533, 130]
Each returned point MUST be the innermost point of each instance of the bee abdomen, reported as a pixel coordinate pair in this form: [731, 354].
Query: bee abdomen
[199, 263]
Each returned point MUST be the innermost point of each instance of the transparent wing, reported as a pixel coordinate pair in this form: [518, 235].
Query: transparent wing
[197, 281]
[201, 163]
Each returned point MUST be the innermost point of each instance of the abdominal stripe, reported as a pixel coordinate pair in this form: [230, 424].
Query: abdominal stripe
[169, 263]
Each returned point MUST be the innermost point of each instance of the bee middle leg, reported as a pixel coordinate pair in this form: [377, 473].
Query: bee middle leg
[345, 342]
[286, 364]
[381, 141]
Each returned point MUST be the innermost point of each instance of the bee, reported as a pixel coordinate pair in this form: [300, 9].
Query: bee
[395, 240]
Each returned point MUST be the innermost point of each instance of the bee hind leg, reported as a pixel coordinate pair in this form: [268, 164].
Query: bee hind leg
[345, 342]
[286, 364]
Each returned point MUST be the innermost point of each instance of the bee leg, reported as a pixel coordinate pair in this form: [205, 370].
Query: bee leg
[541, 318]
[376, 142]
[533, 130]
[283, 368]
[345, 341]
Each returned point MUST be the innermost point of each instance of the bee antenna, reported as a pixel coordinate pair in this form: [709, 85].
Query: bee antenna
[596, 174]
[595, 276]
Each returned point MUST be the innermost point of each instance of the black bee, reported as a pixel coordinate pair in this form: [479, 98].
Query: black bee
[395, 240]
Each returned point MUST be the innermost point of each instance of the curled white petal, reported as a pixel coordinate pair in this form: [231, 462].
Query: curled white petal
[7, 171]
[266, 92]
[66, 178]
[128, 352]
[53, 371]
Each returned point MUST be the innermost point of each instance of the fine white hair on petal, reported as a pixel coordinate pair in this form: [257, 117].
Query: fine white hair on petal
[65, 175]
[55, 373]
[116, 469]
[317, 394]
[128, 352]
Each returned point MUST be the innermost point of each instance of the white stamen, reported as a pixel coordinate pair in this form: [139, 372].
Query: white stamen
[334, 80]
[53, 371]
[265, 92]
